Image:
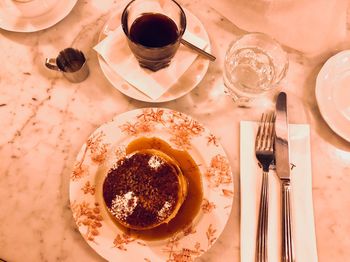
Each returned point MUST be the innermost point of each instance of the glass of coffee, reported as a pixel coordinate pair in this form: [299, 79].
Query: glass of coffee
[153, 29]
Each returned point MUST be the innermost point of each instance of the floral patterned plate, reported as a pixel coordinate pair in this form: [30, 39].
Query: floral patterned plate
[108, 143]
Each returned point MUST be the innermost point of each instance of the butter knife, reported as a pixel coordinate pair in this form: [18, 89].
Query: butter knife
[283, 172]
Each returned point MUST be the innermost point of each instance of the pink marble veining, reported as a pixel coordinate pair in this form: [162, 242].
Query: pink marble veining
[45, 120]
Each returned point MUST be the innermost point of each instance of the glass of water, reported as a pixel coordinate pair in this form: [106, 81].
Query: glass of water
[254, 65]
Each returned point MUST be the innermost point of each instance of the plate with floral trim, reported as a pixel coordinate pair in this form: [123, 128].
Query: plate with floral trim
[108, 143]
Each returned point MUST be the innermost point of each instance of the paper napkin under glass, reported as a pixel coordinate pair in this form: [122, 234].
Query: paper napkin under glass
[301, 197]
[115, 51]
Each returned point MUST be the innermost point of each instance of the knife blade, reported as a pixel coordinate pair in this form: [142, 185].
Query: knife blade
[283, 172]
[282, 138]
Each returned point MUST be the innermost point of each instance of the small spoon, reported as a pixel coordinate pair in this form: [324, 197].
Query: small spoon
[198, 50]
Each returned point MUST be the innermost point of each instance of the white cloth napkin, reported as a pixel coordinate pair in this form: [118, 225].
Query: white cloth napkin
[302, 207]
[115, 51]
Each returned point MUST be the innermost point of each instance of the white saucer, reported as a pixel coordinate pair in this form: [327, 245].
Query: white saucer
[333, 93]
[189, 80]
[12, 19]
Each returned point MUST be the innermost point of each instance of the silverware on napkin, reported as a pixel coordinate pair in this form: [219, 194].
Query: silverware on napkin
[283, 172]
[264, 153]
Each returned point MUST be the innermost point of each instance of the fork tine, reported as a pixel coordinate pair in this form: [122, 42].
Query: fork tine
[265, 135]
[270, 131]
[258, 140]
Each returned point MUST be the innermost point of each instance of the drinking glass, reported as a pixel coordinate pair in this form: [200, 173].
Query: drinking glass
[153, 29]
[254, 65]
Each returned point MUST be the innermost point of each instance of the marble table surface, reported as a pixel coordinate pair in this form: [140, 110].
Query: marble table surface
[45, 119]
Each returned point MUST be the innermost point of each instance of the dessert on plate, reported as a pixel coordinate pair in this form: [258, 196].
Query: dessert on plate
[144, 189]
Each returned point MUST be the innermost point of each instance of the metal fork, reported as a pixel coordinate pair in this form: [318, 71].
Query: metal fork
[265, 154]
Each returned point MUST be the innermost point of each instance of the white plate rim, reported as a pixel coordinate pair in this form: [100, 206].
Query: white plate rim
[52, 17]
[125, 87]
[217, 188]
[336, 121]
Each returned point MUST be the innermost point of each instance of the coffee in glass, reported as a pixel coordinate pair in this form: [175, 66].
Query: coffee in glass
[153, 29]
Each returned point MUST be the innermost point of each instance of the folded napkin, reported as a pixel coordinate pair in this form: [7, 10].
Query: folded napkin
[115, 51]
[301, 197]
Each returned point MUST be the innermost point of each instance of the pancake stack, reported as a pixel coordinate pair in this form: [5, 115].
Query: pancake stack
[145, 189]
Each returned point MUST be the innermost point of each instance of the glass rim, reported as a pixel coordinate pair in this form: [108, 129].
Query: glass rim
[181, 33]
[273, 41]
[265, 36]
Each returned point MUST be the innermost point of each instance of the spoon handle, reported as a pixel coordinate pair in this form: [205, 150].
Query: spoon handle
[197, 49]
